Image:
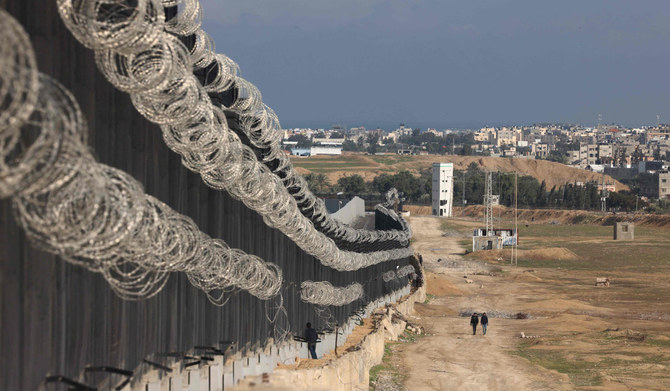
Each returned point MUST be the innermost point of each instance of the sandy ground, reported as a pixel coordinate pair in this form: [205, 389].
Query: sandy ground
[450, 357]
[615, 338]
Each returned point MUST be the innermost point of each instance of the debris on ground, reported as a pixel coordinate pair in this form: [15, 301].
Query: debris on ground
[496, 314]
[604, 281]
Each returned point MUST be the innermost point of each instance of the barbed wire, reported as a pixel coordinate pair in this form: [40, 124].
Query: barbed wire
[324, 293]
[157, 72]
[405, 271]
[261, 126]
[93, 215]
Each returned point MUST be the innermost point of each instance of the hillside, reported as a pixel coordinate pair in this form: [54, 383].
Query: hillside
[369, 166]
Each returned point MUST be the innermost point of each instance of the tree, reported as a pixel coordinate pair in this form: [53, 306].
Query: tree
[303, 141]
[318, 183]
[556, 156]
[351, 185]
[466, 150]
[382, 183]
[542, 200]
[351, 146]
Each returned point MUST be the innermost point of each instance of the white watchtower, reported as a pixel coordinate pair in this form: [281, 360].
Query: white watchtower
[443, 189]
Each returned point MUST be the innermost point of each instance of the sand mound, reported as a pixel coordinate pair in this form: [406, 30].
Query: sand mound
[438, 286]
[543, 254]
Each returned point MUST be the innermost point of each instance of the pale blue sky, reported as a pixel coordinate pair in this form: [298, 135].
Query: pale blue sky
[447, 63]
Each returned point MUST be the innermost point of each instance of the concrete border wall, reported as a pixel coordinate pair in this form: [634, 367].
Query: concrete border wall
[353, 210]
[350, 371]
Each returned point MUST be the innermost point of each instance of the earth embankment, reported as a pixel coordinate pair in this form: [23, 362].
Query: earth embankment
[553, 216]
[369, 166]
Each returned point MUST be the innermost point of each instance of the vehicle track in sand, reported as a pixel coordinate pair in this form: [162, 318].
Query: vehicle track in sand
[450, 357]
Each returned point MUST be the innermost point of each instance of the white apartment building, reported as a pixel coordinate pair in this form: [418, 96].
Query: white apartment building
[505, 136]
[443, 189]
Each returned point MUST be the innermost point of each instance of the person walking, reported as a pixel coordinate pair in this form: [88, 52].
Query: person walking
[311, 337]
[474, 320]
[485, 322]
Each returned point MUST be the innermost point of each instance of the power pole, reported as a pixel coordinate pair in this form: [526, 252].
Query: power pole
[488, 198]
[603, 194]
[637, 198]
[463, 188]
[515, 249]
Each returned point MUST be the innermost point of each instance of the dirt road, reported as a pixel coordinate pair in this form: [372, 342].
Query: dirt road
[450, 357]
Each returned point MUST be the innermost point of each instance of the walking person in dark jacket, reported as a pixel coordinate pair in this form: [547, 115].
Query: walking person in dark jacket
[485, 322]
[474, 320]
[311, 337]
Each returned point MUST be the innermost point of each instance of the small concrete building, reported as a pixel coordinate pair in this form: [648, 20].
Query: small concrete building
[496, 239]
[480, 243]
[624, 231]
[443, 189]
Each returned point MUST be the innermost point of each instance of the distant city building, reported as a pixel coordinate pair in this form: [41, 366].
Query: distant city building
[657, 133]
[329, 141]
[443, 189]
[664, 185]
[505, 136]
[541, 151]
[325, 150]
[317, 150]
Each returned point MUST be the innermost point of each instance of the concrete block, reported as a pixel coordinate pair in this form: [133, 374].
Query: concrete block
[227, 377]
[175, 382]
[215, 378]
[624, 231]
[154, 386]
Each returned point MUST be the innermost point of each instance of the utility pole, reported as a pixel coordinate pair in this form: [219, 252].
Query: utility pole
[463, 172]
[515, 249]
[603, 194]
[488, 198]
[637, 197]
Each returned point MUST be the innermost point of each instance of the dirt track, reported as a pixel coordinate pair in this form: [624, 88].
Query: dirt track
[451, 357]
[593, 330]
